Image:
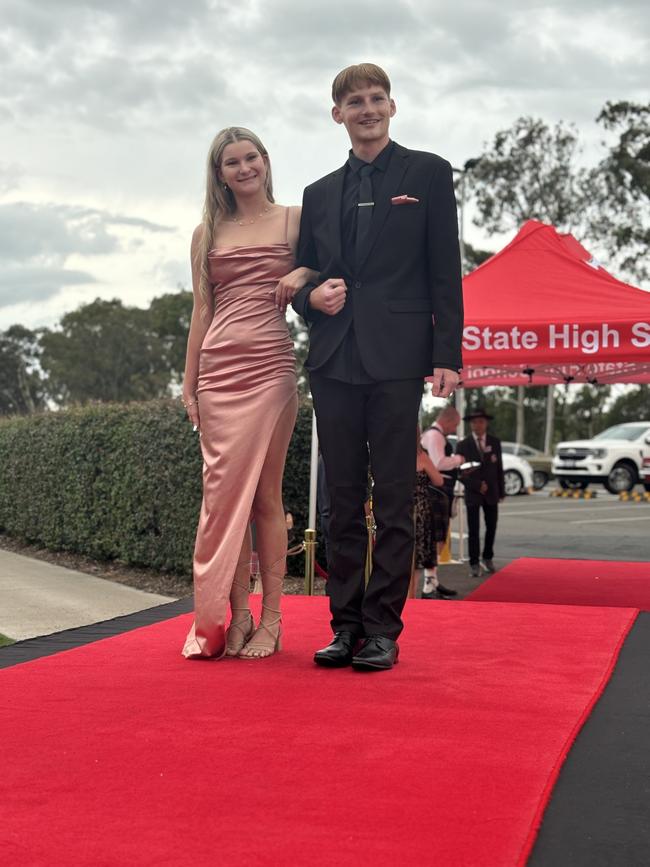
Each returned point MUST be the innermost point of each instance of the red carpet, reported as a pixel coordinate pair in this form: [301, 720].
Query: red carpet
[569, 582]
[124, 753]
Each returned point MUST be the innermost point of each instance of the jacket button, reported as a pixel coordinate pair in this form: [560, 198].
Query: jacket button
[357, 285]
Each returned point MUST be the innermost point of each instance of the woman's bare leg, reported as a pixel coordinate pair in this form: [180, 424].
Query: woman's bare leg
[271, 535]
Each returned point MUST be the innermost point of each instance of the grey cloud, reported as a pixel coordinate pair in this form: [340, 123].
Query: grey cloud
[134, 64]
[54, 232]
[36, 241]
[162, 64]
[29, 232]
[114, 219]
[324, 33]
[112, 92]
[174, 273]
[584, 71]
[20, 283]
[512, 64]
[108, 65]
[439, 50]
[141, 22]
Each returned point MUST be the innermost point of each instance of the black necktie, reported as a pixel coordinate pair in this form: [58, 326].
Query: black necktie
[364, 208]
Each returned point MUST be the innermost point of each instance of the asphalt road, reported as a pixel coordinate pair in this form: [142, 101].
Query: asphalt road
[538, 525]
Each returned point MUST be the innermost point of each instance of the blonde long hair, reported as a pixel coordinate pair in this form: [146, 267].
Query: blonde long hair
[219, 199]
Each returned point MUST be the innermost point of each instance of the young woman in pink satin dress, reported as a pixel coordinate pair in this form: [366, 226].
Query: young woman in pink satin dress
[240, 392]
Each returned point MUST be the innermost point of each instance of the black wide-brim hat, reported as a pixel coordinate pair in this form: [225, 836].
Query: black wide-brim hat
[478, 413]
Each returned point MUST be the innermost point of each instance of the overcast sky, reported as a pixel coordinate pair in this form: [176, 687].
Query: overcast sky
[108, 108]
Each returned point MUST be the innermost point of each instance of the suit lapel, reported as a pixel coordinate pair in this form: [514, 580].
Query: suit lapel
[389, 188]
[465, 448]
[334, 196]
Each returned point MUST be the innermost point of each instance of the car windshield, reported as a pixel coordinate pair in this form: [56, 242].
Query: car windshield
[508, 448]
[627, 432]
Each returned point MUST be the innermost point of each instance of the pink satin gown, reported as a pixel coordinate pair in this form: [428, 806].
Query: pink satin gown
[247, 383]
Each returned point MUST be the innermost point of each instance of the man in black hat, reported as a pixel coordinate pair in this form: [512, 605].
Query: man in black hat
[484, 488]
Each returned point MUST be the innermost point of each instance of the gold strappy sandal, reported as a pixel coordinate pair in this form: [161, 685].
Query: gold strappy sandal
[239, 632]
[257, 650]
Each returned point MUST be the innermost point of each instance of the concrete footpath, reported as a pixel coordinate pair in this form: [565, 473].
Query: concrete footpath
[38, 598]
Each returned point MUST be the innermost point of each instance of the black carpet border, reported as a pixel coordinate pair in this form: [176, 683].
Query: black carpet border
[599, 812]
[67, 639]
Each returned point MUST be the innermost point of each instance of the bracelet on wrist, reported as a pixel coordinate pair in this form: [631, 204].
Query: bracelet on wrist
[188, 403]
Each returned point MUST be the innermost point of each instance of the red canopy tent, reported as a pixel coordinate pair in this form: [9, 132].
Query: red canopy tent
[543, 311]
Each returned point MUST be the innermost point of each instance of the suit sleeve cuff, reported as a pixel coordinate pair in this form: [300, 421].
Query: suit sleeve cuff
[446, 366]
[308, 307]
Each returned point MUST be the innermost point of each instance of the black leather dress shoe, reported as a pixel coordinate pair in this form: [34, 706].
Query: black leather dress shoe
[377, 653]
[445, 592]
[339, 651]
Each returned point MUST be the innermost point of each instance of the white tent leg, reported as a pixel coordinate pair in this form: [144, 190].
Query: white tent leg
[461, 526]
[460, 406]
[550, 418]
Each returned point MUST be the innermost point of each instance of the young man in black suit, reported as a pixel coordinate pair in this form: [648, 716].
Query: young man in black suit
[484, 488]
[381, 231]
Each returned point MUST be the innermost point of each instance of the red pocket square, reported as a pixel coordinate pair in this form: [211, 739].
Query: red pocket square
[404, 200]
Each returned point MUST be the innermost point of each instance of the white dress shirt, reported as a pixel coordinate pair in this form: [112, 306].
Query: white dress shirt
[481, 443]
[434, 441]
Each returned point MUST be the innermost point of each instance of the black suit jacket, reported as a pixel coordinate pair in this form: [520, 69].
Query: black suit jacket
[491, 471]
[409, 271]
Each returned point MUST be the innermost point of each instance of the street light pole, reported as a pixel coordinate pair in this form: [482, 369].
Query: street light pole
[468, 165]
[460, 393]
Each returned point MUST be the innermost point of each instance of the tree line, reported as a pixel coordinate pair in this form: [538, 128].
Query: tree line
[580, 411]
[103, 352]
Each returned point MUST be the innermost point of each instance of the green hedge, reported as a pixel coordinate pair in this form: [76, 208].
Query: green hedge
[118, 482]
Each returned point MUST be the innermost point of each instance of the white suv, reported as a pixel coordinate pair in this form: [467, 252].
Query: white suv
[614, 457]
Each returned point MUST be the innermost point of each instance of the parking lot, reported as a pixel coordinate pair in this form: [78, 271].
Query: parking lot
[538, 525]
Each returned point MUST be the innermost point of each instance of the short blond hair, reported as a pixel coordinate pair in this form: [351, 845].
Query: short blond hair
[356, 76]
[448, 413]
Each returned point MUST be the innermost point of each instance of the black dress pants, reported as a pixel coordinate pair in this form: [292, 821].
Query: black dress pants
[491, 515]
[358, 424]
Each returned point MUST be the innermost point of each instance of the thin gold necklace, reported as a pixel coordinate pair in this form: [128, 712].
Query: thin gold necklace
[250, 222]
